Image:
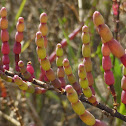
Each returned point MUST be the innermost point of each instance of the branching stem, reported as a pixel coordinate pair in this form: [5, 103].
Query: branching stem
[102, 107]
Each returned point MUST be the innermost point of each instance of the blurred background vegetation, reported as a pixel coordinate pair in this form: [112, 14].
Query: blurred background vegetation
[52, 109]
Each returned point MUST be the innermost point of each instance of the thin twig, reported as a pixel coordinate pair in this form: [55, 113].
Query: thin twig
[34, 113]
[112, 112]
[10, 119]
[15, 109]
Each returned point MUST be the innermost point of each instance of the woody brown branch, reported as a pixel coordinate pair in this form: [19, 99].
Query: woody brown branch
[110, 111]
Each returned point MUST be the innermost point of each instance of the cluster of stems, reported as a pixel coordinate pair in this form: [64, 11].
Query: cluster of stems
[25, 75]
[109, 45]
[5, 49]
